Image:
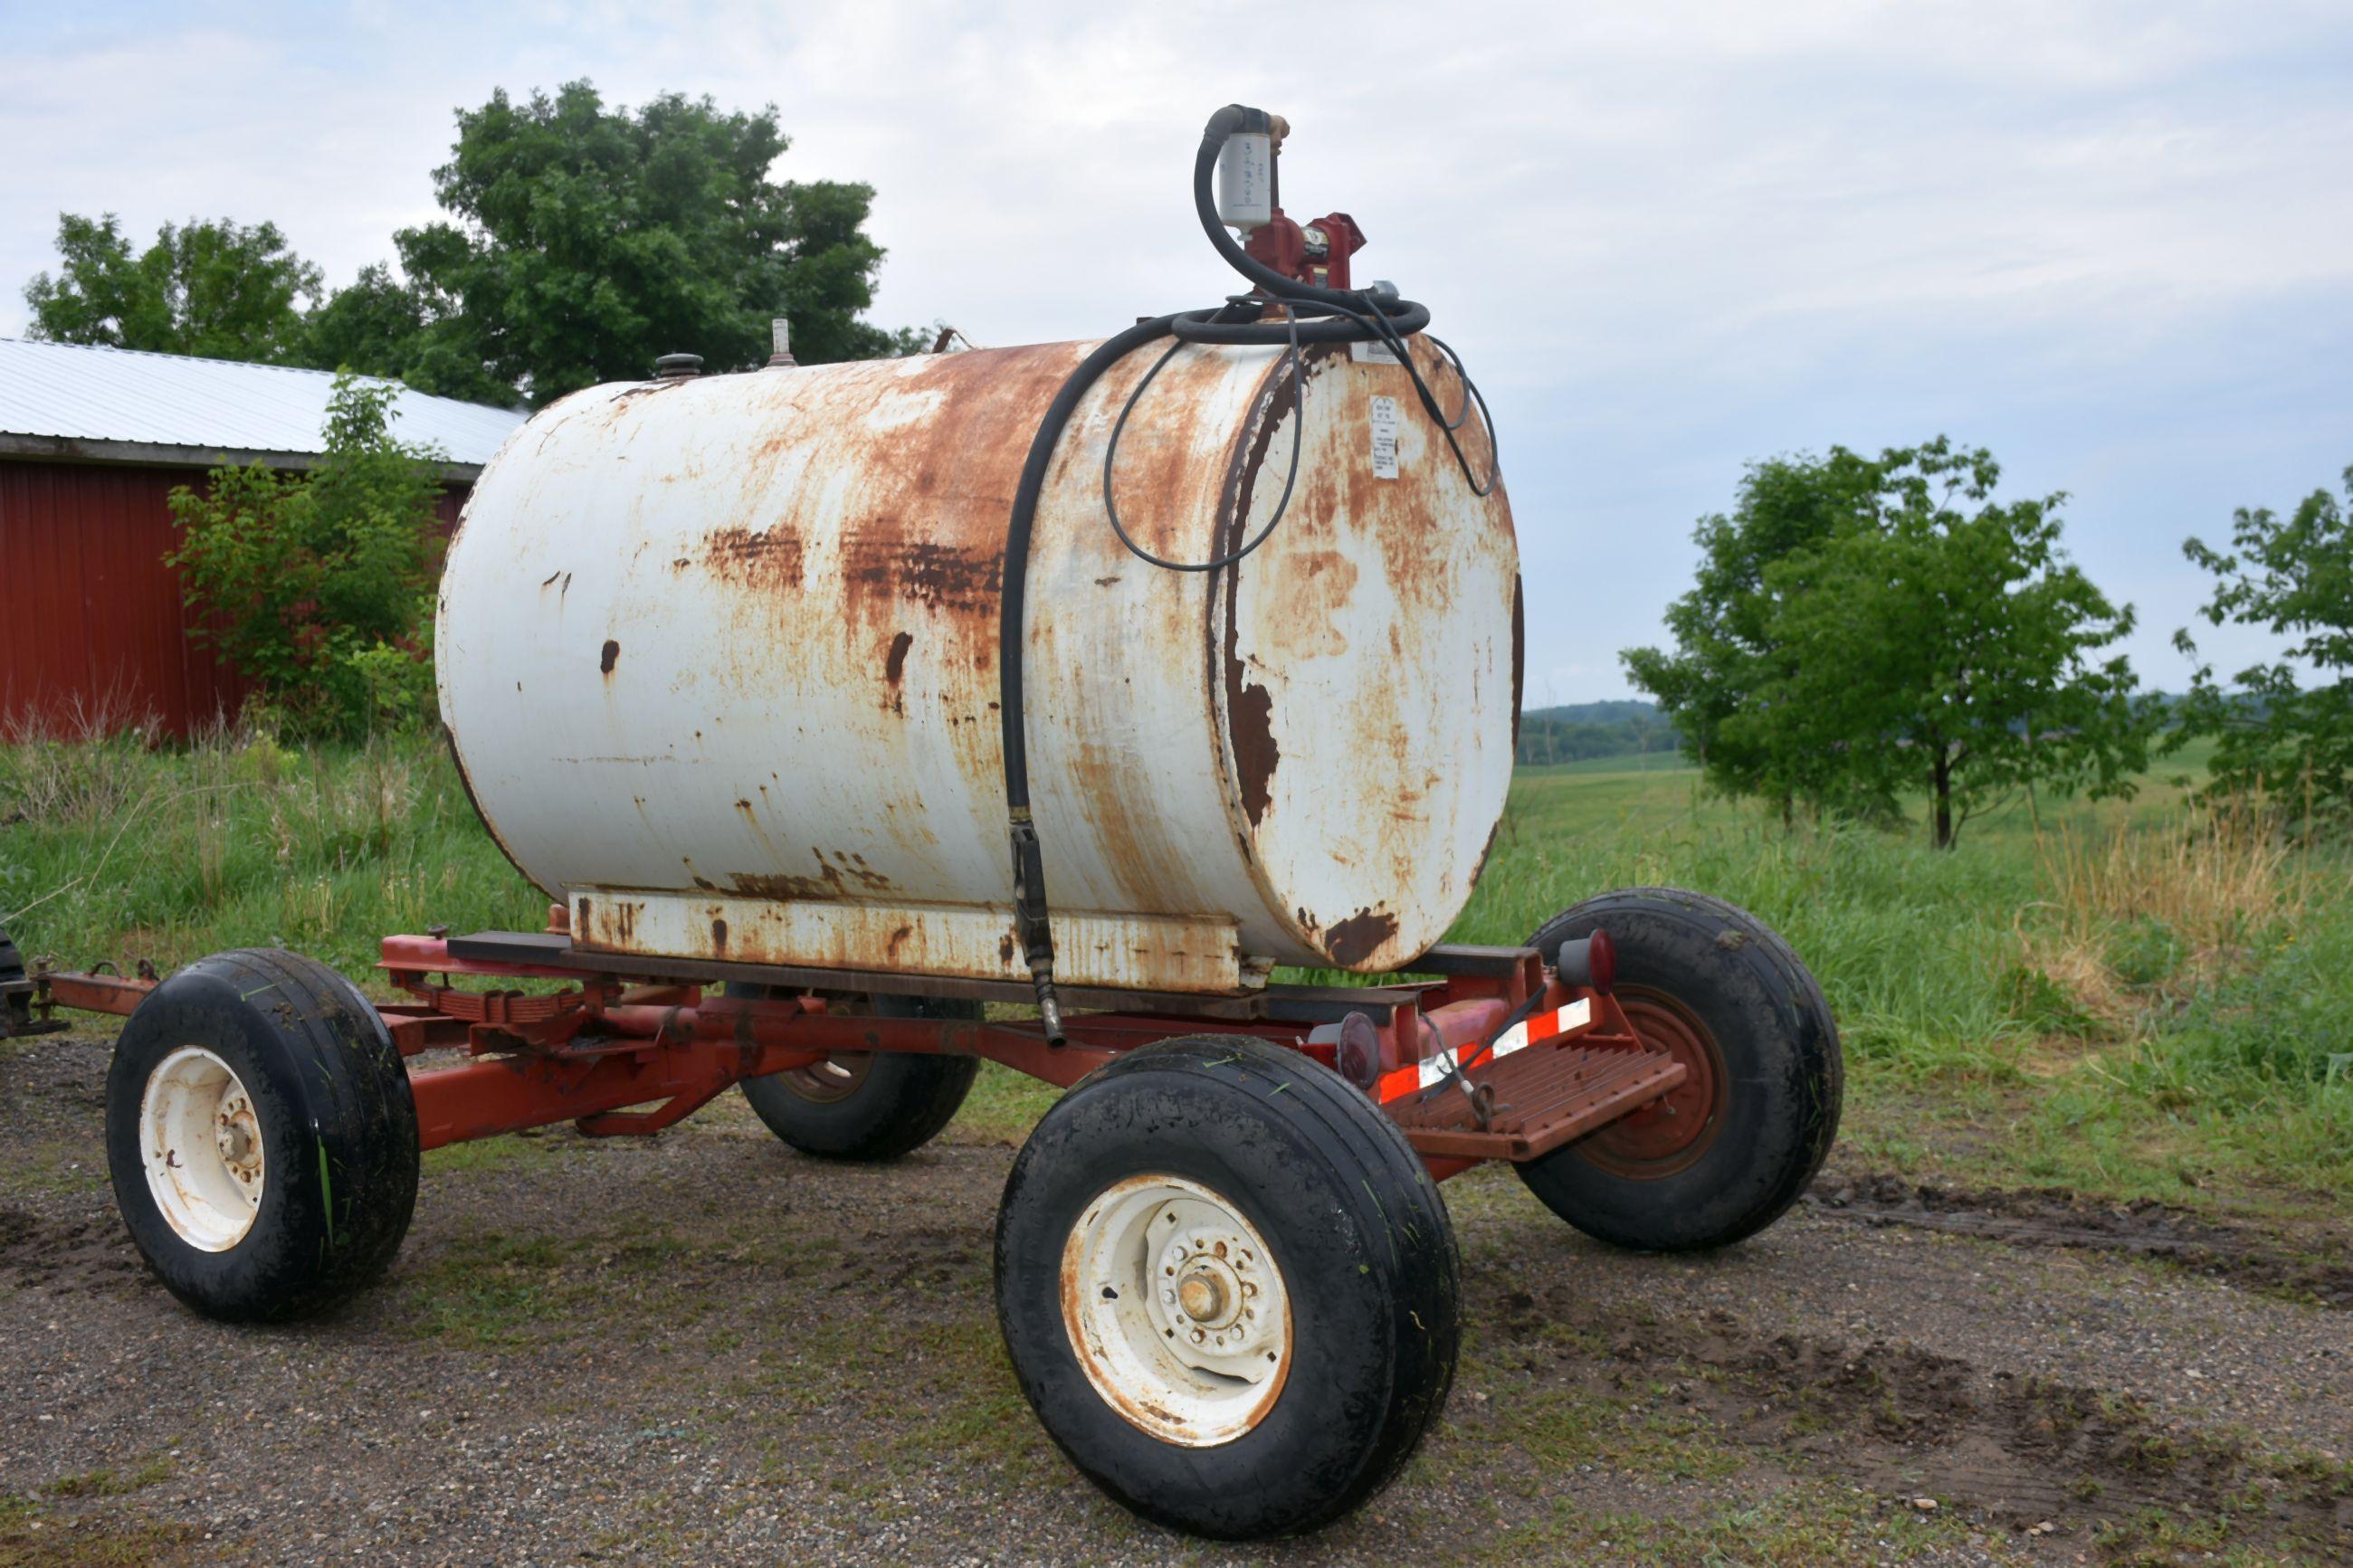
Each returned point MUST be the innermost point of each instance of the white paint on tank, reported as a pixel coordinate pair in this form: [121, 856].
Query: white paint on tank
[734, 639]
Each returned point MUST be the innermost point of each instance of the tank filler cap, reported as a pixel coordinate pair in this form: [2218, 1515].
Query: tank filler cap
[678, 367]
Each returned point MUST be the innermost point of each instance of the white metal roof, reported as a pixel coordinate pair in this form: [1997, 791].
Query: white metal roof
[84, 399]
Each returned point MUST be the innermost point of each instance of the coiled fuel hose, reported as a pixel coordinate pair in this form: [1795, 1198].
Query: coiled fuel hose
[1310, 315]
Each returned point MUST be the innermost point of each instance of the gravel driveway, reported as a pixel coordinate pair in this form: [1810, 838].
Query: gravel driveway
[705, 1348]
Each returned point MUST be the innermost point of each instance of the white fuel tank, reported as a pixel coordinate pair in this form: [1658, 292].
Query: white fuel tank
[719, 659]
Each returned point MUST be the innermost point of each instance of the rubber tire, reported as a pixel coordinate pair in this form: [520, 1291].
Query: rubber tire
[15, 990]
[904, 1102]
[1354, 1224]
[338, 1133]
[1782, 1064]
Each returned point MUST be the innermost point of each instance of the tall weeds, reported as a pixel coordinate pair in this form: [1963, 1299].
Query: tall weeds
[2147, 915]
[118, 850]
[82, 763]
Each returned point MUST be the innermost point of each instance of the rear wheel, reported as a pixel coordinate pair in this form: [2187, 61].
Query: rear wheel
[868, 1105]
[1228, 1287]
[1725, 1153]
[261, 1136]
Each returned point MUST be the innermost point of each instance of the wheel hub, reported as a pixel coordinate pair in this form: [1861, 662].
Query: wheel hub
[1671, 1134]
[1176, 1310]
[240, 1137]
[830, 1080]
[201, 1148]
[1207, 1293]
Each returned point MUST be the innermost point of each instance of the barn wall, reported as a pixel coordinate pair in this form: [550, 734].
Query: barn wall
[90, 619]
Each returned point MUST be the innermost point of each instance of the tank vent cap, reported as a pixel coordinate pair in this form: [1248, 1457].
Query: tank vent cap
[678, 367]
[780, 344]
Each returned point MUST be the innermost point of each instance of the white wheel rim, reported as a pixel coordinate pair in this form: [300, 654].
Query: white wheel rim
[201, 1144]
[1176, 1310]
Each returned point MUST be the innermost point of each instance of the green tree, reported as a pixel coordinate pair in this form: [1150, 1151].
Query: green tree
[2293, 578]
[583, 242]
[217, 290]
[372, 326]
[1729, 649]
[318, 587]
[1908, 632]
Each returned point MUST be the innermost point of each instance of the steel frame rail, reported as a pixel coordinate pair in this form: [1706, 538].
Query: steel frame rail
[625, 1045]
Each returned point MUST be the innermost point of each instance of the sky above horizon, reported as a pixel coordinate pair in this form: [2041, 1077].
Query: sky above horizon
[2111, 242]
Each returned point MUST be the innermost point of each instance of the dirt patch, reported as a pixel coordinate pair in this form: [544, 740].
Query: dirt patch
[2046, 1459]
[2316, 1269]
[86, 1253]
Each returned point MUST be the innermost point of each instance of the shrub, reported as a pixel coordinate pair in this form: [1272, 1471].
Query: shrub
[318, 588]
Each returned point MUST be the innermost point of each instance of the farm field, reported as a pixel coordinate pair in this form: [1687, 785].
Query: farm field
[2077, 1278]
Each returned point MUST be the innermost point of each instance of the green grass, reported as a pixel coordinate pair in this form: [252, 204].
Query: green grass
[156, 1468]
[1666, 762]
[33, 1535]
[2118, 997]
[118, 852]
[2094, 995]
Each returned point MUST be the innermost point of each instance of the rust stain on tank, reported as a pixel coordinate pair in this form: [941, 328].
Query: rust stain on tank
[1357, 938]
[925, 572]
[1314, 586]
[841, 876]
[769, 558]
[1250, 707]
[719, 936]
[610, 656]
[1249, 724]
[927, 460]
[785, 888]
[857, 870]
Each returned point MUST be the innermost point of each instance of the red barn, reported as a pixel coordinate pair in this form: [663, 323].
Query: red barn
[91, 442]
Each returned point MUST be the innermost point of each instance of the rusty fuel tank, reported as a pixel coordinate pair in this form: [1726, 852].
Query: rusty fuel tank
[718, 656]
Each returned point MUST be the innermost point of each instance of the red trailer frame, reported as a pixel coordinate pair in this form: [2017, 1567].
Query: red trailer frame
[1496, 1057]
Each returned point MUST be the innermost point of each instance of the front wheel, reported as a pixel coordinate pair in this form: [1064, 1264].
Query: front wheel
[1228, 1287]
[1724, 1153]
[261, 1136]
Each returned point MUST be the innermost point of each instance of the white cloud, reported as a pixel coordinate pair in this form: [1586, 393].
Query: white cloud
[2113, 240]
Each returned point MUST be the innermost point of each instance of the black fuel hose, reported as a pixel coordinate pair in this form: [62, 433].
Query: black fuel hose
[1029, 860]
[1311, 315]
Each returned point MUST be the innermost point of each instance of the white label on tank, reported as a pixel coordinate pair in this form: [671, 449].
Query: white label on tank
[1385, 438]
[1367, 351]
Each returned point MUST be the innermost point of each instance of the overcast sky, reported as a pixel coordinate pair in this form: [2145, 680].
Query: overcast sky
[2113, 242]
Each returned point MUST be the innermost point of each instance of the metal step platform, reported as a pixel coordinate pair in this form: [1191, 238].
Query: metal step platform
[1541, 1099]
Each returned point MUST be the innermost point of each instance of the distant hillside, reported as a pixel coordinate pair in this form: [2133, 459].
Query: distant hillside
[1581, 730]
[1575, 731]
[1630, 711]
